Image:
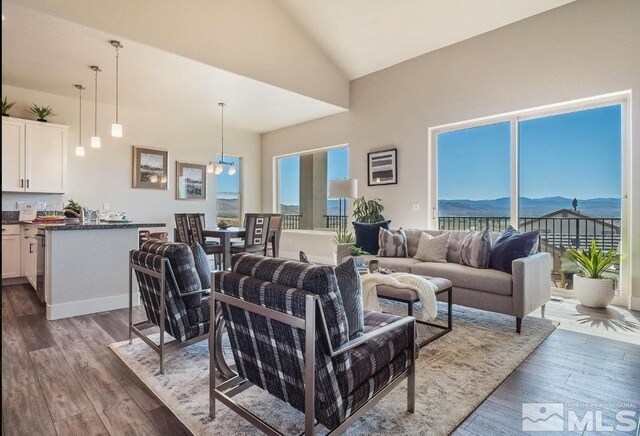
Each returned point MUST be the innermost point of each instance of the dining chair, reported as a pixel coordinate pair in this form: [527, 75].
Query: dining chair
[196, 225]
[183, 233]
[275, 230]
[257, 234]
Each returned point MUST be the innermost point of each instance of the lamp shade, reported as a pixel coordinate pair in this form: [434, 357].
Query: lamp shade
[343, 188]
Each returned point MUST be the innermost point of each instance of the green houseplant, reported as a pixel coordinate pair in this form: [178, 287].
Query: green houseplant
[594, 282]
[41, 112]
[6, 106]
[368, 211]
[344, 240]
[357, 254]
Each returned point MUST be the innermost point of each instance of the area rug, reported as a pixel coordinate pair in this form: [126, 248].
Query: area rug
[453, 376]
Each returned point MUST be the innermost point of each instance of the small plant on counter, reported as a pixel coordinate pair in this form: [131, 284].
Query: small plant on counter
[6, 106]
[41, 112]
[72, 208]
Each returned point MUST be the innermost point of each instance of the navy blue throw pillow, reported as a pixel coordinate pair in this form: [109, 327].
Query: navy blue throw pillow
[203, 268]
[367, 235]
[512, 245]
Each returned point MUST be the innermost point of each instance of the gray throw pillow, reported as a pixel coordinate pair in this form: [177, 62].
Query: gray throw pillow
[304, 258]
[351, 291]
[392, 243]
[475, 250]
[203, 268]
[433, 248]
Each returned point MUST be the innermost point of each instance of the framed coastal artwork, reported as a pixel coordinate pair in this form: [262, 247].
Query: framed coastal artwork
[383, 167]
[150, 168]
[191, 181]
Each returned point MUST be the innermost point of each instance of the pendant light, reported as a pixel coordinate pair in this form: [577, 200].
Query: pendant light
[80, 147]
[218, 168]
[116, 128]
[95, 139]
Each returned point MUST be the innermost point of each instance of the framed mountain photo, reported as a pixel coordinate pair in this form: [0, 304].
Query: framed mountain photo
[383, 167]
[191, 181]
[150, 168]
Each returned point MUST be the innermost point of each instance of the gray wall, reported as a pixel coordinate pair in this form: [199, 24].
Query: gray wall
[583, 49]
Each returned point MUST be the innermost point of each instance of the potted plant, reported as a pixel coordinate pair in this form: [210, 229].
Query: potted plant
[41, 112]
[357, 253]
[594, 282]
[6, 106]
[368, 211]
[344, 240]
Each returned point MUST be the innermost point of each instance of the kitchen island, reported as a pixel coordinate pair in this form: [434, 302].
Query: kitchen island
[86, 266]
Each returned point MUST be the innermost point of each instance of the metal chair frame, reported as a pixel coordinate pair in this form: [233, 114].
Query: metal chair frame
[163, 348]
[237, 384]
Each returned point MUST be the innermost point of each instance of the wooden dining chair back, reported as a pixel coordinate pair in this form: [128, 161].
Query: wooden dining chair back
[275, 230]
[257, 234]
[183, 233]
[197, 226]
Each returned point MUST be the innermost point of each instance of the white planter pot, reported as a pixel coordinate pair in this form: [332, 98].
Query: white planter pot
[596, 293]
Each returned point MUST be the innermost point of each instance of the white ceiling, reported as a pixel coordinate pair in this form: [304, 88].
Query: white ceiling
[48, 54]
[364, 36]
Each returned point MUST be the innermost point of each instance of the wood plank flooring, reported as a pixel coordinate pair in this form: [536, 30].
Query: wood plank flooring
[60, 377]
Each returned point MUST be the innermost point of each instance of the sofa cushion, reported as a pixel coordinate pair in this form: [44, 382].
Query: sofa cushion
[203, 268]
[455, 243]
[351, 291]
[367, 235]
[413, 239]
[182, 265]
[475, 250]
[512, 245]
[393, 243]
[462, 276]
[433, 248]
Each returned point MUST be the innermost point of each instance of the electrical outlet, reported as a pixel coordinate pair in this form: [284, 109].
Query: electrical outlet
[105, 206]
[415, 206]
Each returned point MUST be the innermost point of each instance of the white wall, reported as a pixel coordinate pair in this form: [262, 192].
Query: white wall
[583, 49]
[105, 174]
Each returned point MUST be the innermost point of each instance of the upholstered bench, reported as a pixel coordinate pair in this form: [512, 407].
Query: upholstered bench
[410, 296]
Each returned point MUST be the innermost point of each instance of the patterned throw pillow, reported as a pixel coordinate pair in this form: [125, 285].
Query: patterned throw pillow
[475, 250]
[351, 291]
[433, 248]
[203, 268]
[512, 245]
[392, 244]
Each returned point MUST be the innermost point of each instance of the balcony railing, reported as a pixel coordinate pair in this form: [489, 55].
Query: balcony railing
[333, 221]
[556, 234]
[291, 222]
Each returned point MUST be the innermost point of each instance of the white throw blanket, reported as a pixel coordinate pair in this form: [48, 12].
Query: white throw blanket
[424, 288]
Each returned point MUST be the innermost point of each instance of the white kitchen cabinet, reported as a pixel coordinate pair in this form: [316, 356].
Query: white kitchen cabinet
[11, 265]
[34, 156]
[29, 255]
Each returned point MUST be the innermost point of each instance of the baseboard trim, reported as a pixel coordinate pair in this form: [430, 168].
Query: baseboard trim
[14, 281]
[85, 307]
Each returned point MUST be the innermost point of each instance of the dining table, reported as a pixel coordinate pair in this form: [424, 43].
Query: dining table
[225, 235]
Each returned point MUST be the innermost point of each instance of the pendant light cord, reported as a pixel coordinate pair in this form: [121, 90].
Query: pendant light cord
[80, 127]
[117, 75]
[222, 133]
[95, 112]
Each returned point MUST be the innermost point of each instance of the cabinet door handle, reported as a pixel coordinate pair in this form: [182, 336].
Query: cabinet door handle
[30, 247]
[22, 183]
[27, 183]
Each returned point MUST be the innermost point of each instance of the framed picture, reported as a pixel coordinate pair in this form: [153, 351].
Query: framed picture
[150, 168]
[191, 181]
[383, 167]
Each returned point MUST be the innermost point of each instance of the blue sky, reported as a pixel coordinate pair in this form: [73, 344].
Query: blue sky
[576, 154]
[225, 182]
[337, 168]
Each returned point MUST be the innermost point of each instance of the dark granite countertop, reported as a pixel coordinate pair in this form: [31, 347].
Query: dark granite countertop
[8, 222]
[99, 226]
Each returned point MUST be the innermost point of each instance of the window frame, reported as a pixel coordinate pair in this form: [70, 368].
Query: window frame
[240, 173]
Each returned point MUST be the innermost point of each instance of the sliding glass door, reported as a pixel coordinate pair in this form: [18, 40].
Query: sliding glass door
[559, 172]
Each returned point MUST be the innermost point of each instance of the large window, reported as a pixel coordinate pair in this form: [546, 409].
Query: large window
[302, 187]
[229, 192]
[558, 172]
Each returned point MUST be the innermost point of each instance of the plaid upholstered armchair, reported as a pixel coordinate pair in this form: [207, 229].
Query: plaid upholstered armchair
[171, 293]
[289, 336]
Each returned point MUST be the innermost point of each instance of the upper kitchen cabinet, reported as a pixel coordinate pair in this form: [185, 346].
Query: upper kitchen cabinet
[34, 156]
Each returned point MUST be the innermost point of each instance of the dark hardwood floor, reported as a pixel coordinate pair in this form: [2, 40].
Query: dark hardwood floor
[60, 377]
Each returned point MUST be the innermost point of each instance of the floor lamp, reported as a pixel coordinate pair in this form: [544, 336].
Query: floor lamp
[341, 189]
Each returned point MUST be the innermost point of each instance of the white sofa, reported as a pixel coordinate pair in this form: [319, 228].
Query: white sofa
[517, 294]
